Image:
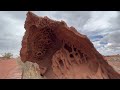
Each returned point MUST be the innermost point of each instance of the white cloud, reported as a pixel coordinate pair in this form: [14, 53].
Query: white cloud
[91, 23]
[97, 25]
[12, 31]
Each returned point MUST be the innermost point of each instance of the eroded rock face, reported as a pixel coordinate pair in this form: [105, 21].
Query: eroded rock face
[61, 52]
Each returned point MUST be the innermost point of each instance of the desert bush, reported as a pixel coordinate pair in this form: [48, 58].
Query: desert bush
[7, 55]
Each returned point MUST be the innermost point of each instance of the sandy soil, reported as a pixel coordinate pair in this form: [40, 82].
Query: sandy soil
[9, 69]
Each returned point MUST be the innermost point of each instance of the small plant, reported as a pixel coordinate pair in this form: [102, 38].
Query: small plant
[7, 55]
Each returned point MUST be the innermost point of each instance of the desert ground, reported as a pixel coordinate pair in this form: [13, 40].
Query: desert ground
[9, 69]
[14, 68]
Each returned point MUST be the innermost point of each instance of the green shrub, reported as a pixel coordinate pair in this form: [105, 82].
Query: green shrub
[7, 55]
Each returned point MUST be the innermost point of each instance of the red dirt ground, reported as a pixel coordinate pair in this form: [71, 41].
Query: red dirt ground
[9, 69]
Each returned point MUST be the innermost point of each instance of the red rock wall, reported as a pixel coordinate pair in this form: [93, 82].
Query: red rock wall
[61, 51]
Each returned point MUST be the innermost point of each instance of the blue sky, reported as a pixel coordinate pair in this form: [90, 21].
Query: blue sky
[102, 28]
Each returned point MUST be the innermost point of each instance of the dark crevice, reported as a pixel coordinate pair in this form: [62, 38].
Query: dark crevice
[33, 27]
[76, 54]
[39, 53]
[86, 57]
[74, 49]
[68, 48]
[71, 56]
[61, 63]
[41, 75]
[81, 54]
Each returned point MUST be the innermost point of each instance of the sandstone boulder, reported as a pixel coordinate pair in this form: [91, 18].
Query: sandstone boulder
[61, 52]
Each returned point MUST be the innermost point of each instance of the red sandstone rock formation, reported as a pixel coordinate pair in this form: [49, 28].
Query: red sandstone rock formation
[62, 52]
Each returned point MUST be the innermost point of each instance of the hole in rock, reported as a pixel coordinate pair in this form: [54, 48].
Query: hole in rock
[74, 49]
[81, 54]
[71, 56]
[48, 41]
[33, 27]
[86, 57]
[39, 54]
[61, 63]
[41, 75]
[76, 54]
[68, 48]
[44, 50]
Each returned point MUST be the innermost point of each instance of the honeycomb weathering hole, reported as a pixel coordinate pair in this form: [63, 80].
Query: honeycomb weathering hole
[71, 56]
[68, 48]
[33, 27]
[62, 51]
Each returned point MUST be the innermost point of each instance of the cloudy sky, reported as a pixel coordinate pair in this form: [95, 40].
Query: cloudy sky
[102, 28]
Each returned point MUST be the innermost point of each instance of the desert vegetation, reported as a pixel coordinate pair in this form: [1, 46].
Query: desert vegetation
[7, 55]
